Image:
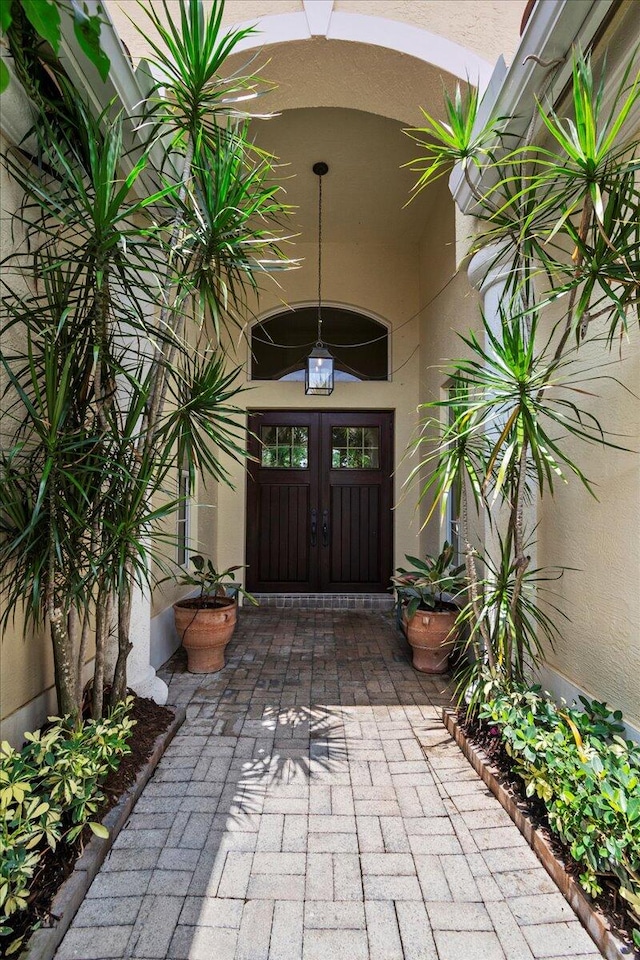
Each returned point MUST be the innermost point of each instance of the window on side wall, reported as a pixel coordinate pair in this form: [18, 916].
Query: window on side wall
[452, 531]
[183, 531]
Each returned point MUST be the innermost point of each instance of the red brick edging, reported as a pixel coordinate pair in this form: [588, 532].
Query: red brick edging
[593, 921]
[44, 942]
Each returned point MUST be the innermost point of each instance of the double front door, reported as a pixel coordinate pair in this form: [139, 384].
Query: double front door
[319, 515]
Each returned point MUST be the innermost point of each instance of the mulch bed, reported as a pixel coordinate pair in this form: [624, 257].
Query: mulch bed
[609, 902]
[56, 865]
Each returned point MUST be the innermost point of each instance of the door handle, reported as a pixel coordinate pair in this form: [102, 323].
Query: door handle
[314, 527]
[325, 528]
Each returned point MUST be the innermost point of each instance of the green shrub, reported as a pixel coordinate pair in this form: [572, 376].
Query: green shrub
[587, 775]
[49, 791]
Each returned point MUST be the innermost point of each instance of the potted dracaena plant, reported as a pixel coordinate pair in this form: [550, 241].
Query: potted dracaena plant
[426, 596]
[206, 623]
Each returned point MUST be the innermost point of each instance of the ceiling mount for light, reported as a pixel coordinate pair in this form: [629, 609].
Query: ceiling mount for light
[319, 370]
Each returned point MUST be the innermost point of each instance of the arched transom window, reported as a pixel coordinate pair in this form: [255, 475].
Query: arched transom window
[281, 344]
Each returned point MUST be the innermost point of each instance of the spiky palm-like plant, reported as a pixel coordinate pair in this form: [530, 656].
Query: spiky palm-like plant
[116, 306]
[562, 221]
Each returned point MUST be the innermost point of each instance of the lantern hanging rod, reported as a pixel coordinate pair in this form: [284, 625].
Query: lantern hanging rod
[319, 368]
[320, 169]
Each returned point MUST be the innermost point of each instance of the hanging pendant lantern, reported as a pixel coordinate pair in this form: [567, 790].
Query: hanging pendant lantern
[318, 379]
[319, 374]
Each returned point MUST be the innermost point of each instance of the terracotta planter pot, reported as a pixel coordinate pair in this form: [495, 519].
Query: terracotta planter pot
[205, 630]
[430, 636]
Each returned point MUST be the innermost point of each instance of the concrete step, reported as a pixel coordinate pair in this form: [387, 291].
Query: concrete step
[327, 601]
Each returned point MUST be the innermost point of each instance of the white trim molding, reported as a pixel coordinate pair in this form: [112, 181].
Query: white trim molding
[320, 19]
[164, 639]
[318, 14]
[141, 674]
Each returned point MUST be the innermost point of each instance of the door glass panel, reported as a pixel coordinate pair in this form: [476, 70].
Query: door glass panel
[355, 448]
[285, 448]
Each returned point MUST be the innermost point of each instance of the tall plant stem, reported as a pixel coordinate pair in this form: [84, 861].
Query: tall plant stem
[472, 575]
[65, 678]
[156, 401]
[520, 558]
[82, 653]
[103, 626]
[583, 232]
[103, 392]
[73, 640]
[119, 685]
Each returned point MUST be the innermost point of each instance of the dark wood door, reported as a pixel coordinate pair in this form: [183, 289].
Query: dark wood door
[319, 501]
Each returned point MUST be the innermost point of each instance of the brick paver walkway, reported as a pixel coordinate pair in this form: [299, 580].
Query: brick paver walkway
[312, 806]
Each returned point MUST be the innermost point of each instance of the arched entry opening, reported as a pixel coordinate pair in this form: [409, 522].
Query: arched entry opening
[381, 259]
[326, 58]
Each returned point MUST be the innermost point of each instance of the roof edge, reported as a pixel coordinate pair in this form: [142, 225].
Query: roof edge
[553, 28]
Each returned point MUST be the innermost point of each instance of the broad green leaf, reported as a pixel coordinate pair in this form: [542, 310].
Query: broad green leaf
[5, 77]
[6, 16]
[99, 829]
[45, 18]
[87, 31]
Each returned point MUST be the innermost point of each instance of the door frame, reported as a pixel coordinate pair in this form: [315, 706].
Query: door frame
[388, 498]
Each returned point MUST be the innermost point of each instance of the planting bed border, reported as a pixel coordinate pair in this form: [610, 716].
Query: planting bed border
[44, 942]
[593, 921]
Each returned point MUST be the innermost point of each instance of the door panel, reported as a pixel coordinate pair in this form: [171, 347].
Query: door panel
[283, 512]
[283, 487]
[355, 541]
[319, 501]
[357, 452]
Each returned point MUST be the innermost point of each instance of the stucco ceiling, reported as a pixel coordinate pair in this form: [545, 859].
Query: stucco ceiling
[358, 76]
[366, 189]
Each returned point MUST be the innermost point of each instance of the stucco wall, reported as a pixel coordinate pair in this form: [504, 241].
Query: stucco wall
[486, 27]
[26, 661]
[599, 648]
[447, 306]
[454, 311]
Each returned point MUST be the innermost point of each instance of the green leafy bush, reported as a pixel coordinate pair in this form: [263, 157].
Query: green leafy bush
[424, 587]
[587, 775]
[49, 791]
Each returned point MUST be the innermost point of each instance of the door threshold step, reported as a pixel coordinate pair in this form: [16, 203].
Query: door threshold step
[327, 601]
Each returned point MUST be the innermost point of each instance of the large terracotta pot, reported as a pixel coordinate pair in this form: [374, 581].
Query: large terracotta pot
[205, 629]
[431, 636]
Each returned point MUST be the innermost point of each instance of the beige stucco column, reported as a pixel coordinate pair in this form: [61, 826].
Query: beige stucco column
[488, 273]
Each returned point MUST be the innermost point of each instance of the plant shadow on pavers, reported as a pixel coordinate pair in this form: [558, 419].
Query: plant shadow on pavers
[232, 792]
[313, 806]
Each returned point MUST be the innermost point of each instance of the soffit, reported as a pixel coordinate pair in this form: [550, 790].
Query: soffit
[337, 73]
[366, 190]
